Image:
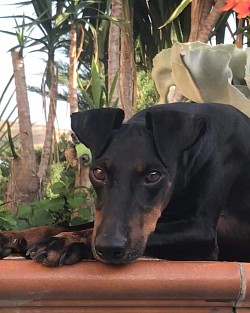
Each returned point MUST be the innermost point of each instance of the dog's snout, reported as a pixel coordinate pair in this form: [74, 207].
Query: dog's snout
[111, 253]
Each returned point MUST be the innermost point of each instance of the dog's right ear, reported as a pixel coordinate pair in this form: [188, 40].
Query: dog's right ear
[93, 127]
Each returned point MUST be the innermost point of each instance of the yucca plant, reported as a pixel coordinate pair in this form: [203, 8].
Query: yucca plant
[7, 150]
[5, 120]
[94, 94]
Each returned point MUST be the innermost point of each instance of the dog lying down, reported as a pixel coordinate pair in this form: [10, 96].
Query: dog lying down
[172, 183]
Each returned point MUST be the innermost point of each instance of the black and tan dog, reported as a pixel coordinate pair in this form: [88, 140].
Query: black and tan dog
[172, 183]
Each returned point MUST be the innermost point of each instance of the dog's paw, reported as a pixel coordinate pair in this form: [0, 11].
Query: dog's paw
[60, 250]
[11, 241]
[4, 249]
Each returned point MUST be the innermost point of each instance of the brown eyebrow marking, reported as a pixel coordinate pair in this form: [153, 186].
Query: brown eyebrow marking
[145, 222]
[140, 167]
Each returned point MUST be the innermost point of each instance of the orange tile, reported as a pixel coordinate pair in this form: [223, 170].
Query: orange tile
[143, 286]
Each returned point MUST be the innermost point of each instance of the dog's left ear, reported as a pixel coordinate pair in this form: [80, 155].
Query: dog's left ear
[174, 132]
[93, 127]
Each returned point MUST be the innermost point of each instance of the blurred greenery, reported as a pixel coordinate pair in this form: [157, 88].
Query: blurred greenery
[60, 199]
[147, 94]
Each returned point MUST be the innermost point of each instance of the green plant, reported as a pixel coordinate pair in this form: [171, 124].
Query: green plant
[95, 94]
[3, 182]
[7, 219]
[5, 126]
[58, 206]
[147, 94]
[55, 211]
[59, 175]
[4, 171]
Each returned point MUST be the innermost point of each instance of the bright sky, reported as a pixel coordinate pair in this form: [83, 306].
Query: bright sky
[34, 67]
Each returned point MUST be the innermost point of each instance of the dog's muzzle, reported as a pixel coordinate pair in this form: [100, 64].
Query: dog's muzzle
[111, 250]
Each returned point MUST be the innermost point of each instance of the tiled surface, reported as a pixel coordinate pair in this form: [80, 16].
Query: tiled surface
[144, 286]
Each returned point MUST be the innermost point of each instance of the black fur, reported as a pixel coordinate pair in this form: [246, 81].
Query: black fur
[202, 154]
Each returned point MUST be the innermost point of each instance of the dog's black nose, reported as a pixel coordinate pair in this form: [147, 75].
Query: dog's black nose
[111, 254]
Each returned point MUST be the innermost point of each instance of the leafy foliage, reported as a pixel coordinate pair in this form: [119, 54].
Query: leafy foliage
[60, 201]
[155, 27]
[147, 94]
[7, 219]
[4, 174]
[5, 126]
[95, 94]
[56, 210]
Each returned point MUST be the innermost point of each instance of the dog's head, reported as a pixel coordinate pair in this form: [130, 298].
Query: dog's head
[133, 171]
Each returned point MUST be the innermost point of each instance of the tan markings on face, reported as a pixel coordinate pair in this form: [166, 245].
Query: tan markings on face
[143, 224]
[169, 184]
[140, 167]
[149, 221]
[98, 218]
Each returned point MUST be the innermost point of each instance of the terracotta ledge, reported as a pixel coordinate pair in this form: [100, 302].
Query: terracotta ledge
[144, 286]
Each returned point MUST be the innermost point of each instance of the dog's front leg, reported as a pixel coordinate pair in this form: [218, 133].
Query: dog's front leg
[21, 241]
[184, 240]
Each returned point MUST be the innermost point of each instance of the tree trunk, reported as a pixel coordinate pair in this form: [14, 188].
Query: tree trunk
[82, 182]
[72, 98]
[204, 15]
[81, 169]
[23, 183]
[200, 9]
[127, 64]
[48, 141]
[114, 49]
[121, 58]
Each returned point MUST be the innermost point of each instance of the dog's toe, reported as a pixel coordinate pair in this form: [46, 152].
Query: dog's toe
[37, 257]
[74, 253]
[47, 252]
[31, 251]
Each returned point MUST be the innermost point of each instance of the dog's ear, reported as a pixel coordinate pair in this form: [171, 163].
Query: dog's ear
[93, 127]
[174, 132]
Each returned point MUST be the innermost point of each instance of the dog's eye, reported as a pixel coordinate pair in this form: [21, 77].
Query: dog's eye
[153, 177]
[98, 174]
